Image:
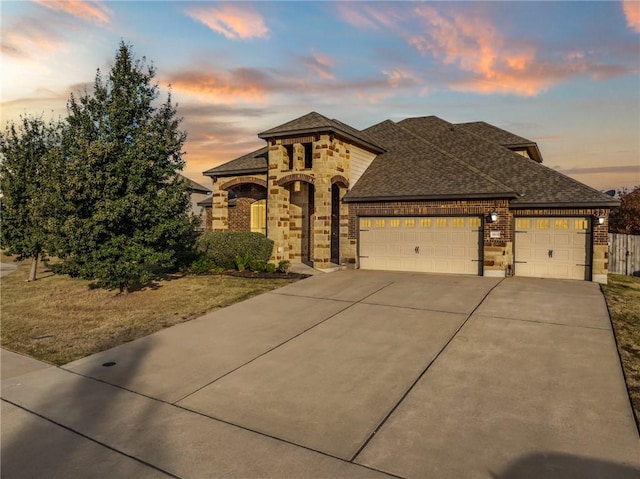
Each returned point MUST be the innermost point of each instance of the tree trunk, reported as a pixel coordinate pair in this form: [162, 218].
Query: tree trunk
[34, 267]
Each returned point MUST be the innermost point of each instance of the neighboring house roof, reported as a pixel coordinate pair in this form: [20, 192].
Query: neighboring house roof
[194, 187]
[502, 137]
[535, 184]
[415, 169]
[251, 163]
[313, 122]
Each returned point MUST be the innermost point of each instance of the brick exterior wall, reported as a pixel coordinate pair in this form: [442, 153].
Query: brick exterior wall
[226, 218]
[497, 252]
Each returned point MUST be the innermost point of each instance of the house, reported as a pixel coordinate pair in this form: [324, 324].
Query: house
[421, 194]
[199, 201]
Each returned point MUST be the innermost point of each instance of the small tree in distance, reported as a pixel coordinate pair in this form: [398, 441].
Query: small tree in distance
[626, 218]
[124, 209]
[26, 150]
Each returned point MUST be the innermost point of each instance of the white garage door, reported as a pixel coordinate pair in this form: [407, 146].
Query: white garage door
[552, 248]
[432, 245]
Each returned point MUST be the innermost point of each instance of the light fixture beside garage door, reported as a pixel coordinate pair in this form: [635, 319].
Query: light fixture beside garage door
[600, 217]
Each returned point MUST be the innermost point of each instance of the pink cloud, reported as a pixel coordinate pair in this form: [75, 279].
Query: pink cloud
[238, 86]
[232, 21]
[320, 64]
[96, 11]
[631, 9]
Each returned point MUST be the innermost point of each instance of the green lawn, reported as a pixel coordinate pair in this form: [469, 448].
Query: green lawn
[58, 319]
[623, 299]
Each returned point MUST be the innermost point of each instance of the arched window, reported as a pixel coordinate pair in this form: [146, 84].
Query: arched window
[259, 217]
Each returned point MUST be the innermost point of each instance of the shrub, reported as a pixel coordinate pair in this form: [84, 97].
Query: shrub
[242, 261]
[283, 266]
[203, 264]
[223, 247]
[270, 268]
[257, 265]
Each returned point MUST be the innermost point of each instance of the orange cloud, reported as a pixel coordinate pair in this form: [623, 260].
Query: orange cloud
[231, 21]
[631, 9]
[475, 45]
[242, 85]
[95, 11]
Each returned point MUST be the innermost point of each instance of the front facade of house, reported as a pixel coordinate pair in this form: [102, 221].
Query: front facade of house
[417, 195]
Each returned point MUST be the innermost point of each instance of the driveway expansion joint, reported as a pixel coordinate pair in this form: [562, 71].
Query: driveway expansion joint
[552, 323]
[89, 438]
[424, 371]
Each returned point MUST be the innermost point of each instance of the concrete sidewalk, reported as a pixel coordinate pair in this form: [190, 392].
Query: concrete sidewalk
[349, 374]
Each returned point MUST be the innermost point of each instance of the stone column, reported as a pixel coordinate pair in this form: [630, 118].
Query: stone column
[322, 223]
[220, 208]
[277, 208]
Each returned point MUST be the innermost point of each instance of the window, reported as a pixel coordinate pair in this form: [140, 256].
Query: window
[441, 222]
[394, 223]
[425, 223]
[380, 223]
[542, 224]
[457, 222]
[475, 222]
[581, 224]
[289, 150]
[308, 155]
[365, 223]
[410, 223]
[562, 224]
[259, 217]
[523, 223]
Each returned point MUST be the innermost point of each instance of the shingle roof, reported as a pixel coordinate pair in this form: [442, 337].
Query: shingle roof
[535, 184]
[495, 134]
[193, 186]
[415, 169]
[502, 137]
[314, 123]
[254, 162]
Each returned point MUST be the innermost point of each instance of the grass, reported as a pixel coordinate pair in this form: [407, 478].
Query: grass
[623, 299]
[58, 319]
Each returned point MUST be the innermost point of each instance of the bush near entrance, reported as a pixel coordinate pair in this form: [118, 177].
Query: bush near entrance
[224, 247]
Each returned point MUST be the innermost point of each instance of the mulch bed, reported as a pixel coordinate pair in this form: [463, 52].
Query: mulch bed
[265, 275]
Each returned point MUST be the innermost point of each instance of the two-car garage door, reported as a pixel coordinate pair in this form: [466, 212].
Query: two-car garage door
[426, 244]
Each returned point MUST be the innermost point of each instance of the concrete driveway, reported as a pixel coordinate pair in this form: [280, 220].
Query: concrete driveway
[349, 374]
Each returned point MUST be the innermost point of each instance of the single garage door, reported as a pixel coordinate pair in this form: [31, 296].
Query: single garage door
[552, 248]
[431, 245]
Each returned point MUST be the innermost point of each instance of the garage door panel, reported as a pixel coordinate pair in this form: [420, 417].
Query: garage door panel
[552, 248]
[428, 244]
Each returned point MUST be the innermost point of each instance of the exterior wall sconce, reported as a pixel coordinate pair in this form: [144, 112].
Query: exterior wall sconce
[493, 216]
[600, 218]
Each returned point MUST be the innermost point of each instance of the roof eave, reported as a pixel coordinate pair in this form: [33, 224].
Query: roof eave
[457, 196]
[566, 204]
[249, 171]
[328, 129]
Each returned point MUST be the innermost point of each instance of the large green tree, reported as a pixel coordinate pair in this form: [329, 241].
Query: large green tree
[26, 151]
[125, 210]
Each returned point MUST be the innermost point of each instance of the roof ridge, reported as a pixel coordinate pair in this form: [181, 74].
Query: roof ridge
[458, 160]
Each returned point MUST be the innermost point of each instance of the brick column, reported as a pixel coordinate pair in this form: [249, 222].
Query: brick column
[600, 260]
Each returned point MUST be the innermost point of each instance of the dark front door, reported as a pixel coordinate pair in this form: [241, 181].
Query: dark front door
[335, 224]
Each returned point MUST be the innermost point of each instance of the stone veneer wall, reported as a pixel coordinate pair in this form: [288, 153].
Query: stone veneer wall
[285, 208]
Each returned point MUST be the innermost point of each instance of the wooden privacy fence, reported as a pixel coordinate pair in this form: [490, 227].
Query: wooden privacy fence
[624, 254]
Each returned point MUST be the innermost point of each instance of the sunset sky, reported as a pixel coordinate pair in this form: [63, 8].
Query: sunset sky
[564, 74]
